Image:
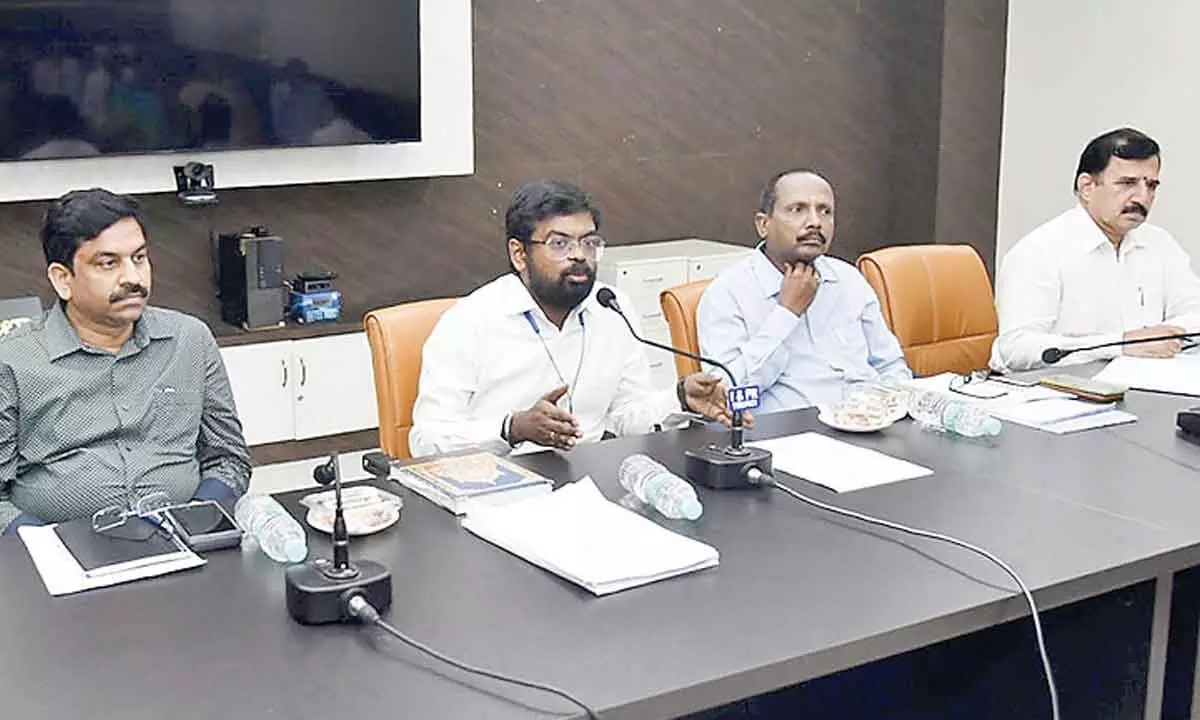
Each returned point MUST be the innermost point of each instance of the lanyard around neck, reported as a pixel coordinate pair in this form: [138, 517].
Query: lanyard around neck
[578, 368]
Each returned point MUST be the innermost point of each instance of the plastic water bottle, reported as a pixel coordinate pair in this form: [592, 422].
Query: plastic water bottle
[941, 412]
[658, 487]
[276, 531]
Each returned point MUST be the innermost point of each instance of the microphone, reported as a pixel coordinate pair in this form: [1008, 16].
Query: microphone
[320, 592]
[720, 467]
[1053, 355]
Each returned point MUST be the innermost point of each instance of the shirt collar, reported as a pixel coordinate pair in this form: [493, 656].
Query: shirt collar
[770, 279]
[1092, 237]
[61, 339]
[518, 300]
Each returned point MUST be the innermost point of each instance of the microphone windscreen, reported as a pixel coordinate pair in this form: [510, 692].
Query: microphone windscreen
[1053, 355]
[607, 298]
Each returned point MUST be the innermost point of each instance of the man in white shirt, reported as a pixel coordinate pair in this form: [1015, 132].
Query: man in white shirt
[532, 357]
[1098, 273]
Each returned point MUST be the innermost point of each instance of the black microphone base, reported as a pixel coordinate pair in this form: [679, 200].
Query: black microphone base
[316, 598]
[723, 468]
[1188, 422]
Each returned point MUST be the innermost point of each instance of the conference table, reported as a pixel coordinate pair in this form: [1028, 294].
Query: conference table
[1101, 525]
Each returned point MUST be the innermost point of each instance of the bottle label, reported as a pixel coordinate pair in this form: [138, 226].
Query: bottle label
[743, 397]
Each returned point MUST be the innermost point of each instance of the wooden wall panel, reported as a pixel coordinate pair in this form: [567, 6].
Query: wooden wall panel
[672, 112]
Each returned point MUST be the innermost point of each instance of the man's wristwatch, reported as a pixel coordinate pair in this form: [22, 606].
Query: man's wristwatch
[681, 393]
[506, 430]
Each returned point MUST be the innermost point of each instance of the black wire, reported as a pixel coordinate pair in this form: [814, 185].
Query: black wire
[372, 617]
[1033, 611]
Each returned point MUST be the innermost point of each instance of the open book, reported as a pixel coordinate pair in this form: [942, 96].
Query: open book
[576, 533]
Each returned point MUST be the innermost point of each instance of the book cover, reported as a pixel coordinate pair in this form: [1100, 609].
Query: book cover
[466, 476]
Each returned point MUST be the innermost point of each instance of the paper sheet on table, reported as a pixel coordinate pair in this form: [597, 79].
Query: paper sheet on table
[61, 572]
[837, 465]
[1180, 374]
[1063, 415]
[1013, 394]
[576, 533]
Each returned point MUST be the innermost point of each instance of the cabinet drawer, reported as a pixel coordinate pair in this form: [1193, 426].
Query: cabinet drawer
[707, 267]
[648, 279]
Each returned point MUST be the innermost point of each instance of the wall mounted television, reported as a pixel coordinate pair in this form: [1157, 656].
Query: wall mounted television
[114, 93]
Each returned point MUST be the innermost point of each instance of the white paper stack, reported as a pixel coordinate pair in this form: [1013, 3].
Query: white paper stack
[1064, 415]
[1038, 407]
[1179, 375]
[576, 533]
[986, 394]
[837, 465]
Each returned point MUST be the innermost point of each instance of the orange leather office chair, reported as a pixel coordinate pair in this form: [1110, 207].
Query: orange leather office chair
[938, 301]
[679, 308]
[396, 335]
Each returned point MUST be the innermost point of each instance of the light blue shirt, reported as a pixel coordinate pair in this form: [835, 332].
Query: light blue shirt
[797, 360]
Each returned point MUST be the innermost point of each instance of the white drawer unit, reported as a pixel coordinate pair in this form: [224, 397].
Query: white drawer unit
[644, 271]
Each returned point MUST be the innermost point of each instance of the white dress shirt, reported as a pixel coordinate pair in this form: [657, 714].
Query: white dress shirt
[797, 360]
[485, 359]
[1064, 285]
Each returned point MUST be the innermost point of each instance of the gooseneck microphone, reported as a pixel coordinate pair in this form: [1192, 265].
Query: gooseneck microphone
[1053, 355]
[320, 591]
[714, 466]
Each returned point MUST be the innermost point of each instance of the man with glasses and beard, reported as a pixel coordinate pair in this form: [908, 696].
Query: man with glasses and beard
[106, 400]
[1098, 273]
[800, 325]
[532, 357]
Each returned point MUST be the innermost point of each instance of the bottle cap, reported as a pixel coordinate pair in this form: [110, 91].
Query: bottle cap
[295, 549]
[691, 508]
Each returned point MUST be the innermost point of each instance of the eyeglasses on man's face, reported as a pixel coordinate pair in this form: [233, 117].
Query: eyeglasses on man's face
[560, 245]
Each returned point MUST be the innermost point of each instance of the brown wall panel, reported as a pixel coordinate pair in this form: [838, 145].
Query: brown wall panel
[671, 112]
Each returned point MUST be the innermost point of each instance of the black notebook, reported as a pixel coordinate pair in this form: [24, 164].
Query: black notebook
[134, 544]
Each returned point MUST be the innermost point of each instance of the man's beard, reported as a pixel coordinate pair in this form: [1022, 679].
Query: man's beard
[559, 292]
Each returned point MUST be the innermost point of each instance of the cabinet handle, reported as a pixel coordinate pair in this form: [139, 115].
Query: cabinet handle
[303, 373]
[283, 365]
[656, 278]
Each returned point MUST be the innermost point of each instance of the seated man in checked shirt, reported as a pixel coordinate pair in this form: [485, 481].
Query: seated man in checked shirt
[105, 399]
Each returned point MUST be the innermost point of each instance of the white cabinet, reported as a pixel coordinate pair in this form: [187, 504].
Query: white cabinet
[300, 389]
[644, 271]
[334, 386]
[261, 378]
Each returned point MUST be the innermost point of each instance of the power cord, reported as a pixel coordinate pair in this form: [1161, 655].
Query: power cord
[358, 607]
[765, 479]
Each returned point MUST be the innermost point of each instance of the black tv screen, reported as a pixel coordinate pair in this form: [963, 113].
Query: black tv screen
[100, 77]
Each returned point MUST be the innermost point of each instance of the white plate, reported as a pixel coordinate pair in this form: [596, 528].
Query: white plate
[826, 416]
[362, 521]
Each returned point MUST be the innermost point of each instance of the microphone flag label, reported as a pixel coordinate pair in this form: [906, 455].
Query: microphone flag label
[743, 397]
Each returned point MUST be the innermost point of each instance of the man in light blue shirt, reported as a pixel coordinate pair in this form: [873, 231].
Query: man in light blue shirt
[796, 323]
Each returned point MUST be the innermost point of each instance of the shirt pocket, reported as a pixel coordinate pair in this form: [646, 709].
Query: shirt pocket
[175, 418]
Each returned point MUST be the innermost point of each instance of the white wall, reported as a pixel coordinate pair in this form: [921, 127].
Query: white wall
[1077, 68]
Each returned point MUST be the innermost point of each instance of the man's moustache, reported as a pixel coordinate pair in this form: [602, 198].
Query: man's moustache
[814, 235]
[128, 292]
[578, 270]
[1138, 208]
